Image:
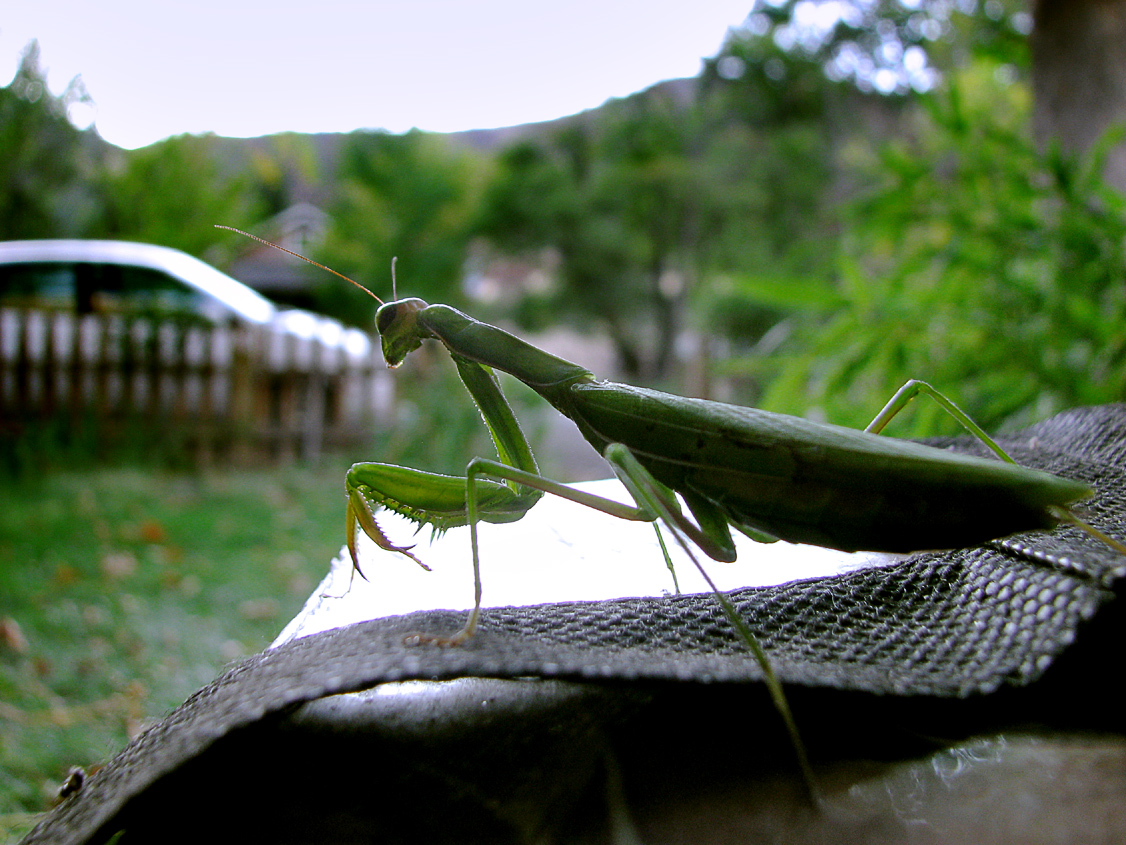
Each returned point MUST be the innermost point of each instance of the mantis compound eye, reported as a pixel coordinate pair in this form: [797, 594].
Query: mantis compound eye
[385, 317]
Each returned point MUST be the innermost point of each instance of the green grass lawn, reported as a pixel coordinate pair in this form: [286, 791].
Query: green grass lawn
[122, 591]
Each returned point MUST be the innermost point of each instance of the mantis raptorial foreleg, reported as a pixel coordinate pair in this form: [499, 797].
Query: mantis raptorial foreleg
[653, 502]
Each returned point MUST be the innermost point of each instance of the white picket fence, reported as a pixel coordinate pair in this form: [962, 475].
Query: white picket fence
[242, 392]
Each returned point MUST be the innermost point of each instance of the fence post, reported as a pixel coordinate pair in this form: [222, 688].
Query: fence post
[242, 401]
[313, 419]
[246, 391]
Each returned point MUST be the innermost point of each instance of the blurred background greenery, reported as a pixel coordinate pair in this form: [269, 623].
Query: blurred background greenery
[816, 218]
[812, 221]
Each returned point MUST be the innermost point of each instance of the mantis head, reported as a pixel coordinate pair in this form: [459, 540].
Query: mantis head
[399, 330]
[396, 322]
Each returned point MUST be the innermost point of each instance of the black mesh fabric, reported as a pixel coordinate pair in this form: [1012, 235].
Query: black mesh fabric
[951, 624]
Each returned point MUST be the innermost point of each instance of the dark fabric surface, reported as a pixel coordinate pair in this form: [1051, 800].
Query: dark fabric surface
[953, 624]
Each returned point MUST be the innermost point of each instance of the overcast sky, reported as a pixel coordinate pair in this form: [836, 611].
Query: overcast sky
[158, 68]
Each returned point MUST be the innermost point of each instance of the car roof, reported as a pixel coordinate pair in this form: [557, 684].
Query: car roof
[244, 301]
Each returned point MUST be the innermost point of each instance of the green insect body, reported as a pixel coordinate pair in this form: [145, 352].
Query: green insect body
[766, 474]
[771, 476]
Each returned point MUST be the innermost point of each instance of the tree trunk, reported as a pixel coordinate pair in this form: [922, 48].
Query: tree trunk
[1079, 75]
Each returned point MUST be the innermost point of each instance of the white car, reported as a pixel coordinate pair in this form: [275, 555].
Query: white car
[90, 275]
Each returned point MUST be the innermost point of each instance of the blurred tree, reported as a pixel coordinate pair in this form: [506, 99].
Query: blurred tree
[618, 199]
[1077, 59]
[1079, 76]
[172, 193]
[683, 197]
[285, 171]
[44, 160]
[995, 271]
[406, 196]
[773, 127]
[894, 46]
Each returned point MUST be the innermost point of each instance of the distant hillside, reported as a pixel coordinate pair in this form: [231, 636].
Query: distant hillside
[301, 186]
[681, 91]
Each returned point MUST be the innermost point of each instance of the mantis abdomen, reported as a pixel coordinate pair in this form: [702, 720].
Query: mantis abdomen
[814, 483]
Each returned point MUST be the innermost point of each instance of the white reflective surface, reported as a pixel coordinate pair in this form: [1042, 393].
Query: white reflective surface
[559, 551]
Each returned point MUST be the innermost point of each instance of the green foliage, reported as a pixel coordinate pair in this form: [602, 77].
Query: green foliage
[44, 160]
[773, 124]
[744, 307]
[123, 591]
[636, 206]
[172, 193]
[617, 202]
[279, 165]
[406, 196]
[753, 81]
[63, 182]
[647, 205]
[992, 270]
[891, 46]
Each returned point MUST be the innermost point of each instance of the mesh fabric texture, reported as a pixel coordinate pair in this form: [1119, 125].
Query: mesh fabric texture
[949, 624]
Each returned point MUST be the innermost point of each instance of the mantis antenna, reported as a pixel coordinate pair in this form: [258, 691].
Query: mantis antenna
[315, 263]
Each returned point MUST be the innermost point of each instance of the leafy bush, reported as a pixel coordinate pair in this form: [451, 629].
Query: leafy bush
[989, 268]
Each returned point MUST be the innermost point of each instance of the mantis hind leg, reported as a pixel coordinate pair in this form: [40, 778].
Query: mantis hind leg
[654, 501]
[915, 387]
[912, 389]
[483, 468]
[652, 496]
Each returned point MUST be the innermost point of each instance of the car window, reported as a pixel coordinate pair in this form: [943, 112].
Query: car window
[46, 285]
[118, 287]
[88, 288]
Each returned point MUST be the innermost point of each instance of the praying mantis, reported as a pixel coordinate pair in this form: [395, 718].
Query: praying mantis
[771, 476]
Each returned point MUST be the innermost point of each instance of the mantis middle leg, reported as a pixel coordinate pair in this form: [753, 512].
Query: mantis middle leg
[653, 501]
